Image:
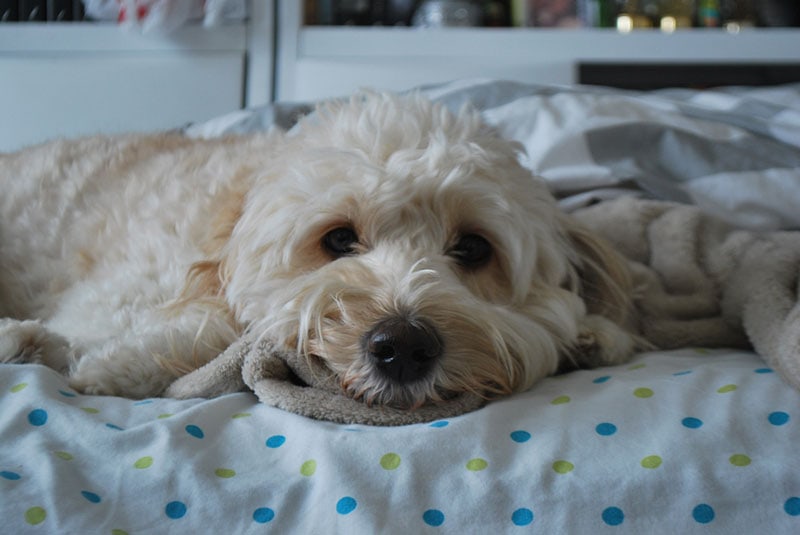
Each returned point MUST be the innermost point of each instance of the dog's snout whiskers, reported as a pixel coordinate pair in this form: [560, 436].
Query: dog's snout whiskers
[404, 350]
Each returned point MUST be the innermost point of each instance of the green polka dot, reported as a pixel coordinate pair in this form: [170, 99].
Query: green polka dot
[240, 415]
[563, 467]
[739, 459]
[90, 410]
[63, 455]
[725, 389]
[637, 366]
[391, 461]
[702, 351]
[560, 400]
[477, 464]
[16, 388]
[35, 515]
[643, 393]
[224, 473]
[308, 468]
[164, 416]
[118, 532]
[144, 462]
[651, 461]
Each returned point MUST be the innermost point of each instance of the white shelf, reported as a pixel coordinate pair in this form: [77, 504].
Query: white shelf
[777, 45]
[73, 79]
[317, 62]
[97, 38]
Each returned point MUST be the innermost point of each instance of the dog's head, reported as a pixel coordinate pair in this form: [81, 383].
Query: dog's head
[407, 249]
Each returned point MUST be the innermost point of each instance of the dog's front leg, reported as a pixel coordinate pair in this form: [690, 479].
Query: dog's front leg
[29, 341]
[144, 360]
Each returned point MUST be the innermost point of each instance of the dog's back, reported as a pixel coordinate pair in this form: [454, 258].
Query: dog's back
[97, 238]
[102, 207]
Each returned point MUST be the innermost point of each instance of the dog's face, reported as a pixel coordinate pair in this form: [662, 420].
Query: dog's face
[409, 252]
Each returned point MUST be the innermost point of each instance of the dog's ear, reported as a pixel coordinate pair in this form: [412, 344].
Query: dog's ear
[206, 279]
[605, 284]
[605, 281]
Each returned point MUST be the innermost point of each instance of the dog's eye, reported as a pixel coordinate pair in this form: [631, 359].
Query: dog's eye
[340, 241]
[472, 251]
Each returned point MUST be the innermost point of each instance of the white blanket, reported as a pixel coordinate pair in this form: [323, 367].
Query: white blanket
[689, 441]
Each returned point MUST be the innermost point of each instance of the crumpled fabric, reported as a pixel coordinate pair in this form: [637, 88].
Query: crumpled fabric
[164, 16]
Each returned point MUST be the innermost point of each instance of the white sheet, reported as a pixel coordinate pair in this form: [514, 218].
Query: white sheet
[690, 441]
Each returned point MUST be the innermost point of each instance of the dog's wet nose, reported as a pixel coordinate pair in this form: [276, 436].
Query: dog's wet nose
[403, 349]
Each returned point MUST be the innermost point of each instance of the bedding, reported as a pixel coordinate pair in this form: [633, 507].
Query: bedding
[734, 152]
[690, 440]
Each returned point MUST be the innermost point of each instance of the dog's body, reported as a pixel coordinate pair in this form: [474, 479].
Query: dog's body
[405, 248]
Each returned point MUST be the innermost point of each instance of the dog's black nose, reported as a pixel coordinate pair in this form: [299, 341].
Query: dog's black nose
[403, 349]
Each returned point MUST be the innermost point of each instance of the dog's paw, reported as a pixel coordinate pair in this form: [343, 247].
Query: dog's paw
[92, 388]
[30, 342]
[600, 342]
[97, 383]
[99, 379]
[118, 370]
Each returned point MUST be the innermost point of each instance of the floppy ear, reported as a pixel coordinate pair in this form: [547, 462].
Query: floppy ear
[605, 284]
[605, 281]
[206, 279]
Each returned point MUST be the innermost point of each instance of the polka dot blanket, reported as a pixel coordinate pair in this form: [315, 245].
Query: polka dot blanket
[683, 441]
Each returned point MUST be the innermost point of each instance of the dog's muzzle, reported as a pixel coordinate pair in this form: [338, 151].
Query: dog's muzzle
[403, 349]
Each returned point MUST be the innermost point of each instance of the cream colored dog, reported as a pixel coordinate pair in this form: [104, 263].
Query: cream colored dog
[403, 246]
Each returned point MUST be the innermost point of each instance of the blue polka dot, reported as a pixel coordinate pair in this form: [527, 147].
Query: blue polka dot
[346, 505]
[175, 510]
[778, 418]
[602, 379]
[606, 429]
[522, 517]
[144, 402]
[440, 423]
[703, 513]
[37, 417]
[195, 431]
[114, 427]
[262, 515]
[11, 476]
[520, 436]
[763, 370]
[90, 496]
[684, 372]
[792, 506]
[433, 517]
[692, 423]
[276, 441]
[67, 394]
[613, 516]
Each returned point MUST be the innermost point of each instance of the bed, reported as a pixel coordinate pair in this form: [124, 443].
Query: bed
[688, 440]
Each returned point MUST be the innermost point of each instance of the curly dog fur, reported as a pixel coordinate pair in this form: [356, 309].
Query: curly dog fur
[402, 245]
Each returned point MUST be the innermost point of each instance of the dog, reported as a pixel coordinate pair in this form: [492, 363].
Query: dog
[401, 245]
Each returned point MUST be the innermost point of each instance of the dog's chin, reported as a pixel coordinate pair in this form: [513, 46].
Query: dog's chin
[369, 385]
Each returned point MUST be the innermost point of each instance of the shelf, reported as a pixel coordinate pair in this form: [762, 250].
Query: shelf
[72, 79]
[317, 61]
[765, 45]
[99, 38]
